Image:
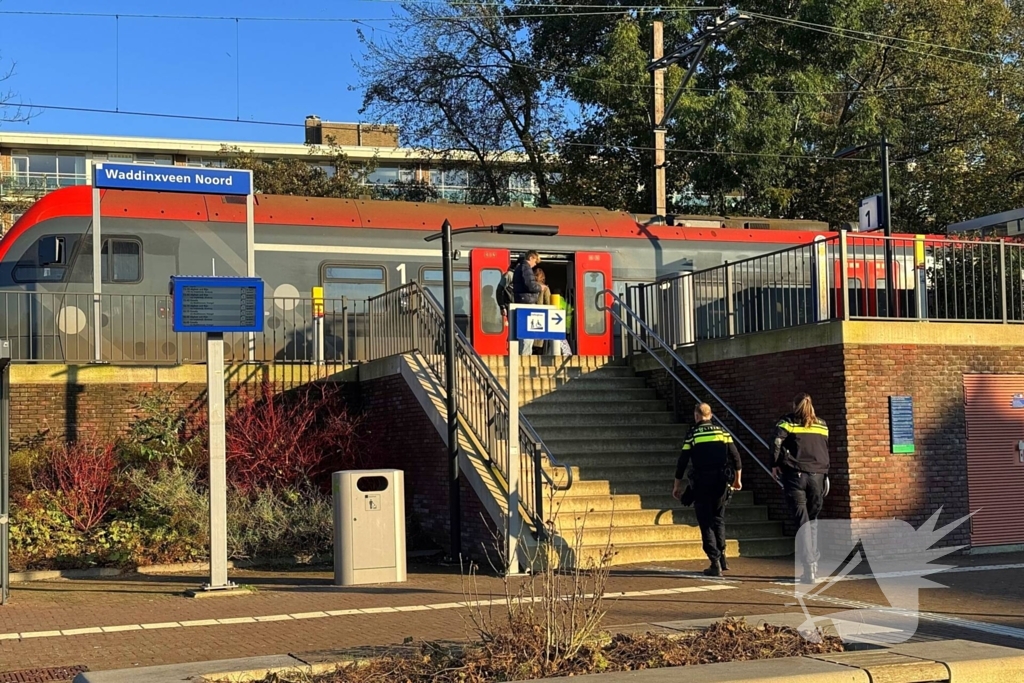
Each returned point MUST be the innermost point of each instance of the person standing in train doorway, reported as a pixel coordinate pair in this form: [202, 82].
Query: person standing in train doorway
[526, 290]
[800, 462]
[715, 468]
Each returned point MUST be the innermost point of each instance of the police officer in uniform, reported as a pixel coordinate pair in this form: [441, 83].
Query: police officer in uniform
[800, 461]
[716, 468]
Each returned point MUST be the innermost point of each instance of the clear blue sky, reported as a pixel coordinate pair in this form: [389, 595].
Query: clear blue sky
[287, 69]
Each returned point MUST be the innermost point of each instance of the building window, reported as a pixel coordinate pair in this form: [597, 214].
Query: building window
[452, 185]
[155, 159]
[47, 170]
[433, 280]
[353, 281]
[389, 175]
[203, 161]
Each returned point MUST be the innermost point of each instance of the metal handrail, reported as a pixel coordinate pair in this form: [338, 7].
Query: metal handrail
[409, 319]
[502, 394]
[616, 301]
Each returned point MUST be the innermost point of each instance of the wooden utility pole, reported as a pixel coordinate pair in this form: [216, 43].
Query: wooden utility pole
[658, 113]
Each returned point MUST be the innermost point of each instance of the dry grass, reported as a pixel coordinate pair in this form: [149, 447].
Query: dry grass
[518, 655]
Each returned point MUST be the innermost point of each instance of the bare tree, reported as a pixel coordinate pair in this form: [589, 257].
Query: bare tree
[460, 80]
[11, 109]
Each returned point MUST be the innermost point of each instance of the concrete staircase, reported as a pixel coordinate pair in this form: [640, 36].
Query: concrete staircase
[622, 442]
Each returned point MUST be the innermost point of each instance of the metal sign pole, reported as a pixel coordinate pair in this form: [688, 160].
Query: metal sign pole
[5, 470]
[515, 519]
[250, 253]
[97, 271]
[218, 463]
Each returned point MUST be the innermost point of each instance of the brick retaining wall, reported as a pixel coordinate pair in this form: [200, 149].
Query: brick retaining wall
[850, 385]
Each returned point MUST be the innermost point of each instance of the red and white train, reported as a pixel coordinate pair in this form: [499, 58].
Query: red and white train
[354, 249]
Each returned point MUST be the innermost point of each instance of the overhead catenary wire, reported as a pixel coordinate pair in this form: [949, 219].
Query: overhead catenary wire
[286, 124]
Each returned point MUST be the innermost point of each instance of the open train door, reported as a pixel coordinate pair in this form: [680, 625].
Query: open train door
[593, 326]
[486, 267]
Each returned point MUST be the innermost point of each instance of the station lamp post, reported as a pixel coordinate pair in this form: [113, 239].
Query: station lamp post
[448, 256]
[886, 213]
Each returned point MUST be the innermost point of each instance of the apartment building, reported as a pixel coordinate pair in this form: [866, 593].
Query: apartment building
[32, 164]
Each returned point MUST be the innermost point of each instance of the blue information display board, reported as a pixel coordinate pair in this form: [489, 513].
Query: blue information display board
[537, 322]
[217, 304]
[901, 424]
[173, 179]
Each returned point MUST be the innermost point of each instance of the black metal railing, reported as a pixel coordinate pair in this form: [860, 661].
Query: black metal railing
[843, 277]
[139, 329]
[410, 319]
[659, 349]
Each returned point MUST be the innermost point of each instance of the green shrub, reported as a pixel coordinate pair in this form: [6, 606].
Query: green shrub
[161, 434]
[172, 513]
[289, 523]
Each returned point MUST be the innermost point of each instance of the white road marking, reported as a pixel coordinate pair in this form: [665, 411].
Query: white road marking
[938, 617]
[915, 572]
[332, 613]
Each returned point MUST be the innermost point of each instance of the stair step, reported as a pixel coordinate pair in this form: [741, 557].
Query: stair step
[556, 362]
[655, 494]
[734, 514]
[590, 406]
[566, 385]
[556, 420]
[618, 534]
[606, 372]
[577, 395]
[596, 459]
[618, 472]
[559, 444]
[634, 553]
[673, 433]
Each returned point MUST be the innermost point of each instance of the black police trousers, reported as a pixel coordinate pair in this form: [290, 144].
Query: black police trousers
[805, 496]
[711, 519]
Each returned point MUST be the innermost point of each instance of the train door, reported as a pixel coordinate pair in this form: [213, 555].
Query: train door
[866, 279]
[593, 326]
[486, 266]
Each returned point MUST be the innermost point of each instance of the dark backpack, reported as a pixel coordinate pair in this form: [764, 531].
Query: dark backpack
[505, 294]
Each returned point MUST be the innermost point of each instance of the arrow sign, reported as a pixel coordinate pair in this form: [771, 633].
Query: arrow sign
[537, 322]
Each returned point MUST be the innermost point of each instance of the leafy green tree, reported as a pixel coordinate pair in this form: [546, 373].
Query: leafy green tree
[330, 175]
[769, 107]
[460, 80]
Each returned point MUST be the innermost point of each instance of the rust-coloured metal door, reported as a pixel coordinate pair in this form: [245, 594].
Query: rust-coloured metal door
[995, 470]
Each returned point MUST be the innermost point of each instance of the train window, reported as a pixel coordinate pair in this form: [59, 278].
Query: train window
[38, 274]
[433, 280]
[853, 282]
[880, 283]
[353, 282]
[593, 318]
[491, 321]
[52, 251]
[123, 258]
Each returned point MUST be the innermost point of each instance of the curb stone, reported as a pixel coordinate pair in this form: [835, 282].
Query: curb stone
[952, 661]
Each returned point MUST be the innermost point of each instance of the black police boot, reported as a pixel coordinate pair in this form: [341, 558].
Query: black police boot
[722, 563]
[714, 570]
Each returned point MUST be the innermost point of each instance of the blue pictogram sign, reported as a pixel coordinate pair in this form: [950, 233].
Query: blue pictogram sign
[537, 322]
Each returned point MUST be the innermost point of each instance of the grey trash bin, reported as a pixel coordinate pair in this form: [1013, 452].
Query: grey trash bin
[369, 527]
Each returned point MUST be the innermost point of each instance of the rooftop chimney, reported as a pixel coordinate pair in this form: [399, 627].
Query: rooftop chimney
[314, 131]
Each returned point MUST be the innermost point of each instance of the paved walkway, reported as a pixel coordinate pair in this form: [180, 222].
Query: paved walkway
[145, 621]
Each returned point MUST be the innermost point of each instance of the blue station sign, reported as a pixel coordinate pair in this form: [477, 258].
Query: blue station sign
[546, 323]
[217, 304]
[172, 179]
